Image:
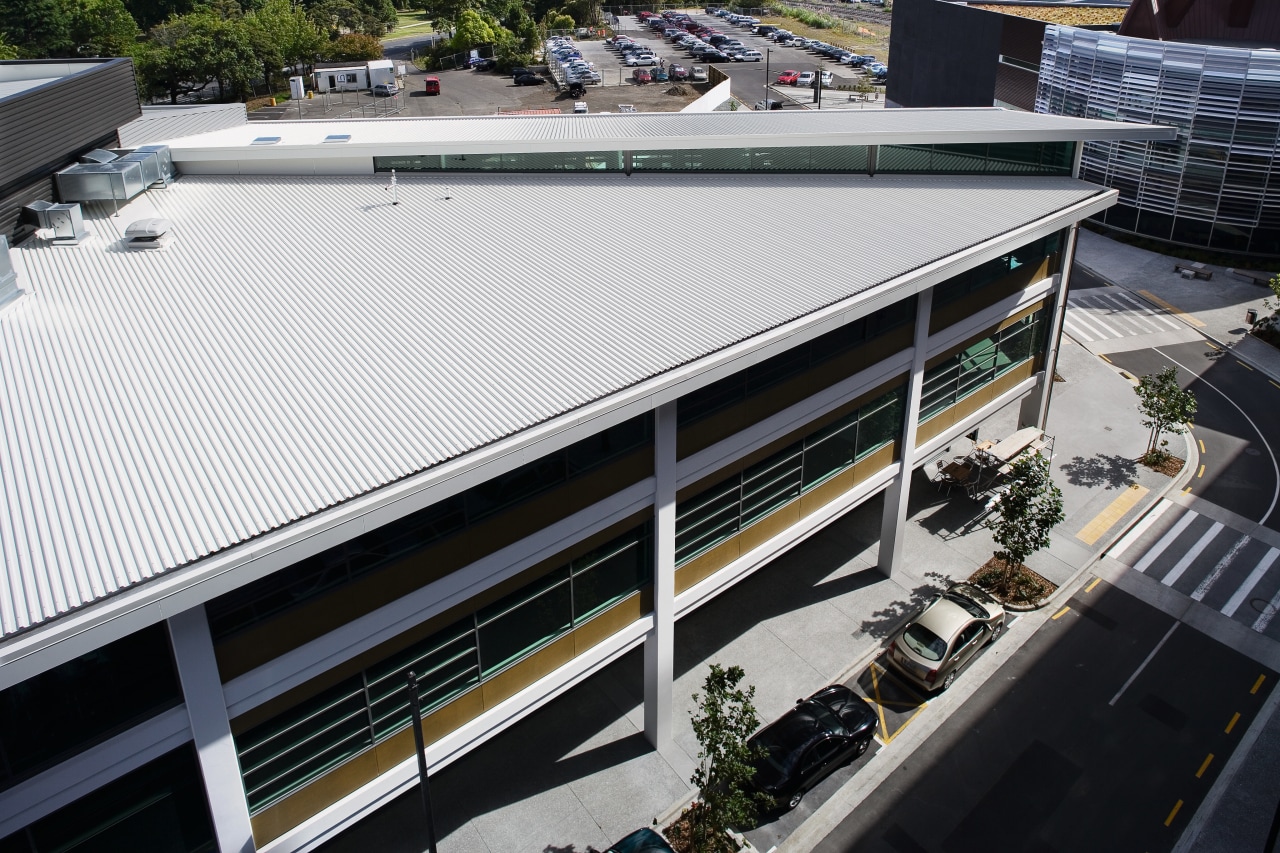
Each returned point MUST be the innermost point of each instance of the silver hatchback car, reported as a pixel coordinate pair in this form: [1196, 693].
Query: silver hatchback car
[933, 647]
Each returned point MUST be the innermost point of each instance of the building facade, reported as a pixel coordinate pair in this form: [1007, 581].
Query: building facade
[243, 499]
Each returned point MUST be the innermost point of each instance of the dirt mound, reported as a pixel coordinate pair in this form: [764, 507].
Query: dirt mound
[678, 90]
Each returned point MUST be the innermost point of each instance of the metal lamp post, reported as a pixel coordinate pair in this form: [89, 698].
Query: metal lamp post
[423, 780]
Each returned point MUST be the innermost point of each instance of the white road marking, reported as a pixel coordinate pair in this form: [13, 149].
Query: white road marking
[1165, 541]
[1143, 665]
[1141, 527]
[1205, 585]
[1190, 557]
[1265, 619]
[1260, 570]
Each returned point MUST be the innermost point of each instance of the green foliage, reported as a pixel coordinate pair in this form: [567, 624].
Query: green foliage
[726, 717]
[7, 51]
[283, 35]
[37, 28]
[444, 14]
[353, 47]
[554, 21]
[103, 28]
[366, 17]
[473, 29]
[1165, 408]
[1029, 508]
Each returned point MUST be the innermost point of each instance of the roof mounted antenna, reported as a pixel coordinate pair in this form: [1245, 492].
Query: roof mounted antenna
[395, 193]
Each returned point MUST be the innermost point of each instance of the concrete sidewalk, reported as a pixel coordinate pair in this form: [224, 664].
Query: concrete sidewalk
[578, 773]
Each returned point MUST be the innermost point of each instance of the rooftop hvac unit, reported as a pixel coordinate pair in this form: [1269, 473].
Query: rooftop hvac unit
[97, 155]
[120, 180]
[8, 278]
[148, 234]
[62, 223]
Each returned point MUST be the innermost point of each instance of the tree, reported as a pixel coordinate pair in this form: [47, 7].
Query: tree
[103, 28]
[472, 30]
[38, 29]
[1030, 507]
[7, 51]
[282, 32]
[1165, 408]
[725, 718]
[555, 22]
[353, 47]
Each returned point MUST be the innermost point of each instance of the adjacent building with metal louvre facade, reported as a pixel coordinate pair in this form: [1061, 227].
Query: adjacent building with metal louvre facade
[340, 424]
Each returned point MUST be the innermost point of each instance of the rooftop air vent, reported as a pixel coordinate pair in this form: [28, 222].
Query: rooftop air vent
[8, 278]
[61, 223]
[265, 140]
[148, 234]
[97, 155]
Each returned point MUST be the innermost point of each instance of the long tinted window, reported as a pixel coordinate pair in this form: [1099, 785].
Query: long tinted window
[379, 548]
[49, 717]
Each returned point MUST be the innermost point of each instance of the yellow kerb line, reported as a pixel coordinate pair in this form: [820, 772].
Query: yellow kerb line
[1187, 490]
[1108, 518]
[1103, 356]
[1092, 584]
[1171, 309]
[1242, 364]
[1202, 450]
[1235, 718]
[1173, 813]
[1201, 474]
[1205, 766]
[1060, 612]
[1257, 684]
[1273, 382]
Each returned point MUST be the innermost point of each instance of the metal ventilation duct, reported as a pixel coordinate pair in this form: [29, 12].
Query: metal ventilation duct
[8, 277]
[97, 155]
[65, 221]
[120, 180]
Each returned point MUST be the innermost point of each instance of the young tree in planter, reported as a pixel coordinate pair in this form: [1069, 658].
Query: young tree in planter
[1028, 510]
[726, 717]
[1165, 408]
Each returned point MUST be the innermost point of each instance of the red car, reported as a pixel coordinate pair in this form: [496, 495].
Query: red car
[641, 75]
[788, 78]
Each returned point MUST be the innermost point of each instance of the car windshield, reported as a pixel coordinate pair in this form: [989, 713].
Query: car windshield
[973, 609]
[782, 741]
[924, 642]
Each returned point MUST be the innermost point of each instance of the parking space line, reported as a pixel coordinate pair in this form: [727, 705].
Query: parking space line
[1174, 813]
[1143, 666]
[1204, 766]
[1257, 684]
[1235, 718]
[881, 703]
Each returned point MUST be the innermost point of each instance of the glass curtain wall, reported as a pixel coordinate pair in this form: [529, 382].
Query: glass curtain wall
[709, 518]
[981, 363]
[286, 752]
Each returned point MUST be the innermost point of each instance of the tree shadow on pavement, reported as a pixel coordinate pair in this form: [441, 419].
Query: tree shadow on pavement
[571, 848]
[884, 622]
[1109, 472]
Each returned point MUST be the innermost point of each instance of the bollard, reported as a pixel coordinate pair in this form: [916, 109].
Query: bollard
[1251, 316]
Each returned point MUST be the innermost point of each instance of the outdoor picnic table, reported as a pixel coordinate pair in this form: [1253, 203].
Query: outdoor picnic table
[1015, 444]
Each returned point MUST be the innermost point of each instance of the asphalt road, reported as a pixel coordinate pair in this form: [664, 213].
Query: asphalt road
[1103, 732]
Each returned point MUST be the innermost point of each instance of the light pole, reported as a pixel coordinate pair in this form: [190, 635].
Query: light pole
[423, 781]
[767, 51]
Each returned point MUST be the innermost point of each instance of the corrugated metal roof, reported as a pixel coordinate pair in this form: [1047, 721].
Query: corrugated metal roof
[629, 131]
[159, 124]
[302, 341]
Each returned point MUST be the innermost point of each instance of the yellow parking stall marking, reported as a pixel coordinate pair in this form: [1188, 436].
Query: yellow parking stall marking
[1201, 474]
[1110, 516]
[1205, 766]
[1257, 684]
[1060, 612]
[1173, 813]
[1242, 364]
[881, 703]
[1202, 450]
[1092, 584]
[1234, 719]
[1171, 308]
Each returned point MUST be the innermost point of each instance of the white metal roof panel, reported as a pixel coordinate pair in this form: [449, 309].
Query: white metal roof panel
[302, 341]
[660, 130]
[160, 123]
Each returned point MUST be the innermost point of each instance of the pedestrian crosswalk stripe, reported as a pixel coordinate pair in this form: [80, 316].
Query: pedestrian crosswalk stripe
[1205, 585]
[1264, 619]
[1260, 570]
[1165, 541]
[1140, 528]
[1190, 557]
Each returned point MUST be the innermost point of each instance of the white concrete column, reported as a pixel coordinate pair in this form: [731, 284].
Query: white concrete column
[1035, 407]
[893, 522]
[211, 728]
[659, 644]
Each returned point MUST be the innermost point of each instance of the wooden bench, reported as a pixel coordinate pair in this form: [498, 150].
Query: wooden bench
[1196, 270]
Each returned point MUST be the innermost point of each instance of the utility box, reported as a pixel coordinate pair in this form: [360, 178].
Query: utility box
[297, 89]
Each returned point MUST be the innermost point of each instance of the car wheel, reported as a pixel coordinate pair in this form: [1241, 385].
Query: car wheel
[795, 799]
[950, 679]
[996, 631]
[861, 748]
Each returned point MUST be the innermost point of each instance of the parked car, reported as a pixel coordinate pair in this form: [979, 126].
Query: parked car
[933, 647]
[748, 56]
[677, 72]
[769, 104]
[809, 742]
[431, 85]
[805, 78]
[788, 77]
[698, 74]
[642, 59]
[827, 79]
[387, 89]
[800, 42]
[518, 70]
[642, 75]
[484, 65]
[659, 75]
[529, 80]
